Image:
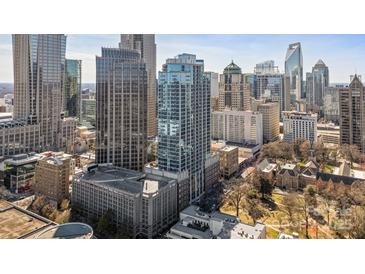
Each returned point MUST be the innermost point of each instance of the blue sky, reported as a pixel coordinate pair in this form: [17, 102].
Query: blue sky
[343, 54]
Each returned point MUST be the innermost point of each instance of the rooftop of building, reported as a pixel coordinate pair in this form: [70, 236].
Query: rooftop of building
[232, 68]
[345, 170]
[55, 158]
[320, 63]
[5, 115]
[266, 166]
[184, 58]
[67, 231]
[11, 123]
[122, 179]
[289, 166]
[287, 236]
[228, 148]
[219, 225]
[16, 222]
[298, 113]
[22, 159]
[328, 127]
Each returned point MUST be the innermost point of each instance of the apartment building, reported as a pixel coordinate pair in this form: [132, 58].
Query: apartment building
[241, 127]
[299, 126]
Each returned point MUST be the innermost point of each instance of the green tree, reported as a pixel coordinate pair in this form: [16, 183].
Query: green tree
[105, 224]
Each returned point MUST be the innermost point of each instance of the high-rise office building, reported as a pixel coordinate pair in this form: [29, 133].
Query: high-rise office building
[299, 126]
[145, 44]
[234, 94]
[293, 82]
[143, 205]
[19, 136]
[269, 83]
[316, 82]
[72, 90]
[249, 81]
[214, 83]
[270, 120]
[184, 121]
[121, 103]
[39, 70]
[352, 114]
[331, 105]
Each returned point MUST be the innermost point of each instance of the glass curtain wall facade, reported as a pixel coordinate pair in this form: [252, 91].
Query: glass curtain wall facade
[145, 44]
[294, 74]
[184, 119]
[317, 81]
[121, 103]
[39, 67]
[72, 103]
[352, 114]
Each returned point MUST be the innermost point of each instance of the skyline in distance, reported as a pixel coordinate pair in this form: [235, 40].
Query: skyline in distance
[343, 54]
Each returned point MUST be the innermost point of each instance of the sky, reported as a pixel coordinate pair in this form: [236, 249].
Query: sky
[343, 54]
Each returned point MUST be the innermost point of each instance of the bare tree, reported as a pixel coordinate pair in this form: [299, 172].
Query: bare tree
[263, 184]
[252, 203]
[236, 195]
[357, 230]
[304, 204]
[322, 154]
[290, 203]
[304, 149]
[357, 193]
[350, 153]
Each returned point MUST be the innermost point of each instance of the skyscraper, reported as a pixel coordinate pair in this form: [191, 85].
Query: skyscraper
[214, 83]
[184, 120]
[39, 67]
[331, 106]
[352, 114]
[316, 82]
[234, 94]
[121, 104]
[293, 75]
[269, 82]
[145, 44]
[72, 94]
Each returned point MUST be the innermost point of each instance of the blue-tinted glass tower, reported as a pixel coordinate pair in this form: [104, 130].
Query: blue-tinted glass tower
[184, 119]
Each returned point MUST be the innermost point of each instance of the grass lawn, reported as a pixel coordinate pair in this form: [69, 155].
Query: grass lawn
[328, 168]
[271, 233]
[279, 218]
[278, 199]
[244, 217]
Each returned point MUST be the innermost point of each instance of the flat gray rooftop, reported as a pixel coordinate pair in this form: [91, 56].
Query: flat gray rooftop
[122, 179]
